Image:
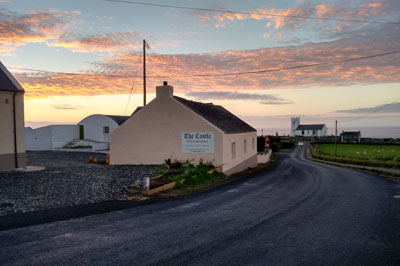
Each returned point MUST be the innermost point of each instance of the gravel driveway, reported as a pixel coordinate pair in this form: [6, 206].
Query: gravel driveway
[67, 180]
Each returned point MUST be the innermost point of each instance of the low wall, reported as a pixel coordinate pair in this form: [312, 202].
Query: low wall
[264, 157]
[248, 163]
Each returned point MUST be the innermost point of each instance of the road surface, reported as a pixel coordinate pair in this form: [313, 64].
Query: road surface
[297, 212]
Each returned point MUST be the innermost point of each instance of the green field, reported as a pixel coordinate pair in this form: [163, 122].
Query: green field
[362, 151]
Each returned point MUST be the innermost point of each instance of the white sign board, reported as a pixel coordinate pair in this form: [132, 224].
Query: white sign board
[197, 142]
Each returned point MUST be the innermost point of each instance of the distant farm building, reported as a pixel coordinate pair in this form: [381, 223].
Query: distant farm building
[50, 137]
[99, 127]
[350, 136]
[12, 141]
[171, 127]
[313, 130]
[92, 132]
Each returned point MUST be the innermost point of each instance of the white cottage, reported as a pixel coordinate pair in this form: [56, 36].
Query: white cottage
[171, 127]
[313, 130]
[99, 127]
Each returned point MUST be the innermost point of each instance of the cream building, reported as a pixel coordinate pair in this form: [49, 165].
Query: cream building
[171, 127]
[12, 140]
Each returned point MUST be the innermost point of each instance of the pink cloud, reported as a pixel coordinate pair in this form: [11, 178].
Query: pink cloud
[37, 26]
[99, 42]
[174, 68]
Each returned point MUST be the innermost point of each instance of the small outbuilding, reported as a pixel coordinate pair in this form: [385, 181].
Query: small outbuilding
[99, 127]
[12, 140]
[350, 136]
[171, 127]
[50, 137]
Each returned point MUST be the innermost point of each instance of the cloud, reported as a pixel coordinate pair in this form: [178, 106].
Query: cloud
[66, 107]
[37, 26]
[52, 27]
[99, 42]
[178, 69]
[393, 108]
[233, 95]
[295, 17]
[174, 68]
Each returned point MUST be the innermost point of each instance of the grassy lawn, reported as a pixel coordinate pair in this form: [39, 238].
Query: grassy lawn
[362, 151]
[386, 156]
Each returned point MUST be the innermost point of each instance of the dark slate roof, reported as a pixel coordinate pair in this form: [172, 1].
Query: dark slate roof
[310, 127]
[137, 110]
[120, 119]
[350, 133]
[218, 116]
[7, 81]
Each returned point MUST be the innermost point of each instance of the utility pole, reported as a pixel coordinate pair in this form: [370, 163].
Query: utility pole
[144, 72]
[335, 135]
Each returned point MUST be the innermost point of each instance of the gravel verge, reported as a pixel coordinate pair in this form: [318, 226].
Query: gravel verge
[67, 180]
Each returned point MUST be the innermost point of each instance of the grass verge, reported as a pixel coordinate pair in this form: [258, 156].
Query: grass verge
[356, 161]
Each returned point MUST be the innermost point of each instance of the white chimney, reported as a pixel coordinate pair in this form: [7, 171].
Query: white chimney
[165, 90]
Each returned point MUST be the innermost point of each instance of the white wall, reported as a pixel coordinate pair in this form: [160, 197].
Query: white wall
[242, 154]
[62, 134]
[50, 137]
[309, 133]
[93, 127]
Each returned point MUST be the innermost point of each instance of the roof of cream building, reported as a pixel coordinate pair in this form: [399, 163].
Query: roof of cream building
[218, 116]
[7, 81]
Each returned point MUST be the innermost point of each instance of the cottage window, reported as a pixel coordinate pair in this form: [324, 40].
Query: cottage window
[233, 148]
[245, 146]
[106, 130]
[313, 132]
[302, 132]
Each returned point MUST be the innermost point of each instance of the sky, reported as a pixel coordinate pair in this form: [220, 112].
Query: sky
[92, 52]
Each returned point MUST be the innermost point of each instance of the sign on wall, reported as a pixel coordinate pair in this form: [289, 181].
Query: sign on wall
[197, 142]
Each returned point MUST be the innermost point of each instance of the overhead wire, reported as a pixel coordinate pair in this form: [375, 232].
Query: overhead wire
[132, 88]
[251, 13]
[222, 74]
[379, 108]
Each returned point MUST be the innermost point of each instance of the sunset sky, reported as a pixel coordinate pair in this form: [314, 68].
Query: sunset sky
[101, 42]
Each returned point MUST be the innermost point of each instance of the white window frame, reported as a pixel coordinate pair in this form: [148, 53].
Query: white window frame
[233, 150]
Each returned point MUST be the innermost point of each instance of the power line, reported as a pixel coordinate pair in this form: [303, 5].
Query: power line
[250, 13]
[372, 112]
[133, 85]
[221, 74]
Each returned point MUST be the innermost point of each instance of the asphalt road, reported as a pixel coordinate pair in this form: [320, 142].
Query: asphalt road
[295, 213]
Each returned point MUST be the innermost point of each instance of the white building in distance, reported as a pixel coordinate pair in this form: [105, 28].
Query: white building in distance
[93, 131]
[50, 137]
[99, 127]
[313, 130]
[171, 127]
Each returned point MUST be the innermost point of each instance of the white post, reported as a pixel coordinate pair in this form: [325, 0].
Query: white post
[146, 184]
